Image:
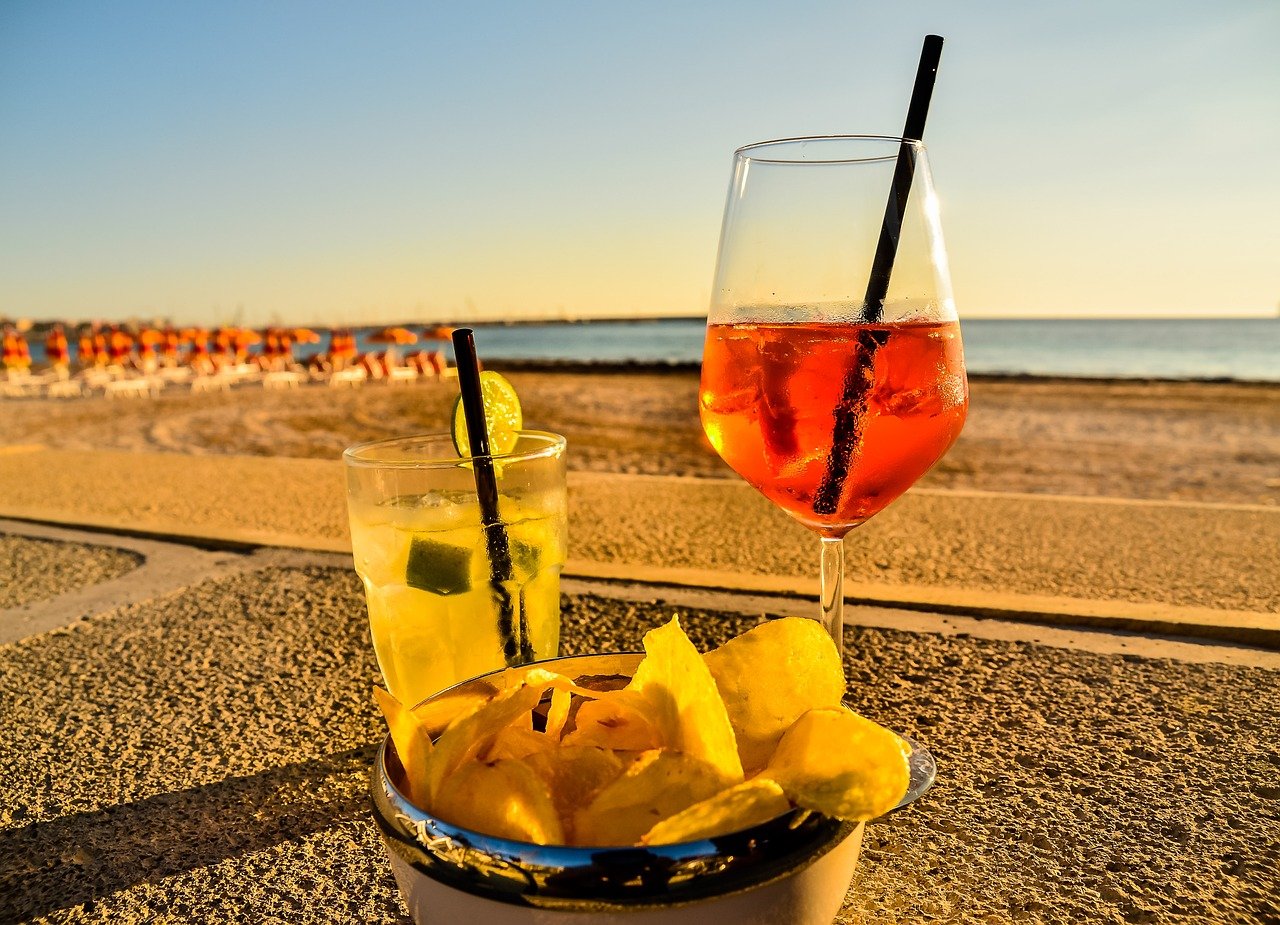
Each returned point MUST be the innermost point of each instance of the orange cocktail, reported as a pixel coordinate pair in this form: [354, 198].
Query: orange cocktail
[770, 398]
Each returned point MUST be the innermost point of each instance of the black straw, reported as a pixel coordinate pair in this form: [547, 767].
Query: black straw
[903, 172]
[847, 430]
[498, 545]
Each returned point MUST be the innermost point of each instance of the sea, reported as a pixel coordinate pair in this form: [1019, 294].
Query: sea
[1192, 349]
[1195, 349]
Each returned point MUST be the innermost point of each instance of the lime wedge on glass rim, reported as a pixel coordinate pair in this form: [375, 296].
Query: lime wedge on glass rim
[502, 416]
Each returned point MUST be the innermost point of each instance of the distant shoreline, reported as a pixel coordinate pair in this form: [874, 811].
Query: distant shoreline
[1206, 351]
[685, 367]
[675, 367]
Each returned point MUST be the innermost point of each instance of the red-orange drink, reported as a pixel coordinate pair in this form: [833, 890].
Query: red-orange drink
[772, 393]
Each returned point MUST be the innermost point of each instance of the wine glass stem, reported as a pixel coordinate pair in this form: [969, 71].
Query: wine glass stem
[832, 599]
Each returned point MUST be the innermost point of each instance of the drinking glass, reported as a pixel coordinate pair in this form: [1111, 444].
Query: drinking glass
[833, 374]
[435, 613]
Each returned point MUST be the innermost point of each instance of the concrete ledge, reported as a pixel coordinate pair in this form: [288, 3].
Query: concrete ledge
[1240, 626]
[1181, 568]
[1237, 626]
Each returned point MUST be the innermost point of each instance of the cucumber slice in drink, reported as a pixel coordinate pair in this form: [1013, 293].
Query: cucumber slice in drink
[502, 416]
[440, 568]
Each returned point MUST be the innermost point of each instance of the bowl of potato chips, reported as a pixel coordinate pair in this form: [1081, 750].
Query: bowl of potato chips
[667, 786]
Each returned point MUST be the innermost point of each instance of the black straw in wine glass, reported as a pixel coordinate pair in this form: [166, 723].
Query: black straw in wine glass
[858, 381]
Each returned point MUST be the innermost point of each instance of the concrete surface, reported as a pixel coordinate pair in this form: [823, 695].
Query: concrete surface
[34, 569]
[76, 575]
[203, 756]
[1209, 569]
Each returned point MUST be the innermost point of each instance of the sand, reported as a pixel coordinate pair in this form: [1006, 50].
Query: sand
[1217, 442]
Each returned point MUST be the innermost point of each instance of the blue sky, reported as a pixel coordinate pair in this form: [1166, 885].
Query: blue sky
[325, 162]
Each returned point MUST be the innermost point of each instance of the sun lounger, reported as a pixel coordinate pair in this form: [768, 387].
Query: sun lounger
[214, 383]
[22, 383]
[349, 377]
[401, 374]
[96, 378]
[64, 388]
[283, 379]
[142, 387]
[245, 372]
[176, 373]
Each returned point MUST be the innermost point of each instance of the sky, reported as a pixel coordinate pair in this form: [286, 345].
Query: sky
[361, 163]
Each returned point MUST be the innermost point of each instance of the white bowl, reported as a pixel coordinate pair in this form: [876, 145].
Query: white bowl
[792, 870]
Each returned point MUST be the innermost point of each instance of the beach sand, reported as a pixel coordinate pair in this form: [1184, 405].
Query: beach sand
[1215, 442]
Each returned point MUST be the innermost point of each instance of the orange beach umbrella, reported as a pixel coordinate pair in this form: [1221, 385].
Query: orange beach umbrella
[393, 336]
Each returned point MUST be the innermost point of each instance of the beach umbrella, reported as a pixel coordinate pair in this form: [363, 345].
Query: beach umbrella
[439, 332]
[393, 336]
[246, 335]
[304, 336]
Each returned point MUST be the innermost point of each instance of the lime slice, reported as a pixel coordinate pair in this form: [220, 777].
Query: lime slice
[502, 416]
[440, 568]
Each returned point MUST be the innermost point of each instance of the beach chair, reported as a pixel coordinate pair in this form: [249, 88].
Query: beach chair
[283, 379]
[355, 376]
[141, 387]
[402, 375]
[176, 374]
[210, 383]
[65, 388]
[22, 383]
[372, 366]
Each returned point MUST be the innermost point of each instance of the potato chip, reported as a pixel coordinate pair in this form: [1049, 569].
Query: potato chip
[558, 712]
[501, 798]
[410, 737]
[659, 760]
[515, 741]
[683, 701]
[618, 720]
[658, 785]
[769, 676]
[436, 715]
[839, 763]
[468, 734]
[740, 807]
[573, 775]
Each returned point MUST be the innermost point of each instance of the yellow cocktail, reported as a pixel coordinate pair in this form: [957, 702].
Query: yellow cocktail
[434, 596]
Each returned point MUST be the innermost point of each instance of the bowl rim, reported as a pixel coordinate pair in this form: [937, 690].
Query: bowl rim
[602, 878]
[571, 875]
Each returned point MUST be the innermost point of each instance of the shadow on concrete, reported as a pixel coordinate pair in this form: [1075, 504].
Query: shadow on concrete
[73, 860]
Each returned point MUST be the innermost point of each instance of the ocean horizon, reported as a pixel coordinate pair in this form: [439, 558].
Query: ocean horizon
[1236, 349]
[1200, 349]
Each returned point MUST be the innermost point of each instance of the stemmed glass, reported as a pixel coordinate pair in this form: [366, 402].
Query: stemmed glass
[833, 374]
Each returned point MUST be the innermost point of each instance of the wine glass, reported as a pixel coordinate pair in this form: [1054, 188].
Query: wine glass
[833, 374]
